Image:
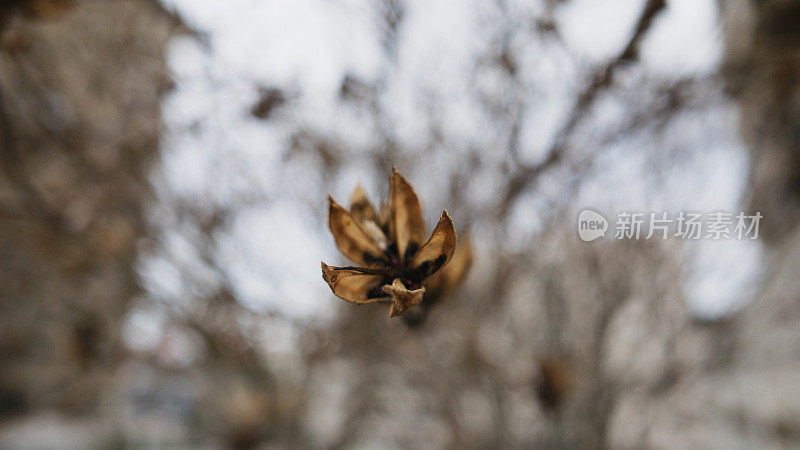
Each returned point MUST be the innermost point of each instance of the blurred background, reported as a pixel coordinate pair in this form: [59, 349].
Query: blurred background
[164, 167]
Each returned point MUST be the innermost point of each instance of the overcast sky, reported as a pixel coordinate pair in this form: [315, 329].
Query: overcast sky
[215, 151]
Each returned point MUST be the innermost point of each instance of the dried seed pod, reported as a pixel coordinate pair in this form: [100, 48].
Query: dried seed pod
[395, 264]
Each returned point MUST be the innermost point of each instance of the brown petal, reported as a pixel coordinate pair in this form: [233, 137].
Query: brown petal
[402, 298]
[353, 285]
[452, 274]
[360, 206]
[438, 250]
[406, 227]
[351, 238]
[383, 215]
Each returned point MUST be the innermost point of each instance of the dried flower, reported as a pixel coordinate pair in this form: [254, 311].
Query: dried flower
[395, 265]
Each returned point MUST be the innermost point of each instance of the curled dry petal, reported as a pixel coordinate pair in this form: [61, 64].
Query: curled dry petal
[402, 298]
[452, 274]
[351, 237]
[352, 284]
[361, 207]
[438, 250]
[406, 227]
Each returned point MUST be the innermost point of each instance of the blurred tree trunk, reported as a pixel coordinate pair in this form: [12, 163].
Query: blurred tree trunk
[763, 72]
[762, 390]
[80, 86]
[738, 386]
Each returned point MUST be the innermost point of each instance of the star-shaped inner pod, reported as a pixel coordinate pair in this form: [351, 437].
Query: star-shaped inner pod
[393, 263]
